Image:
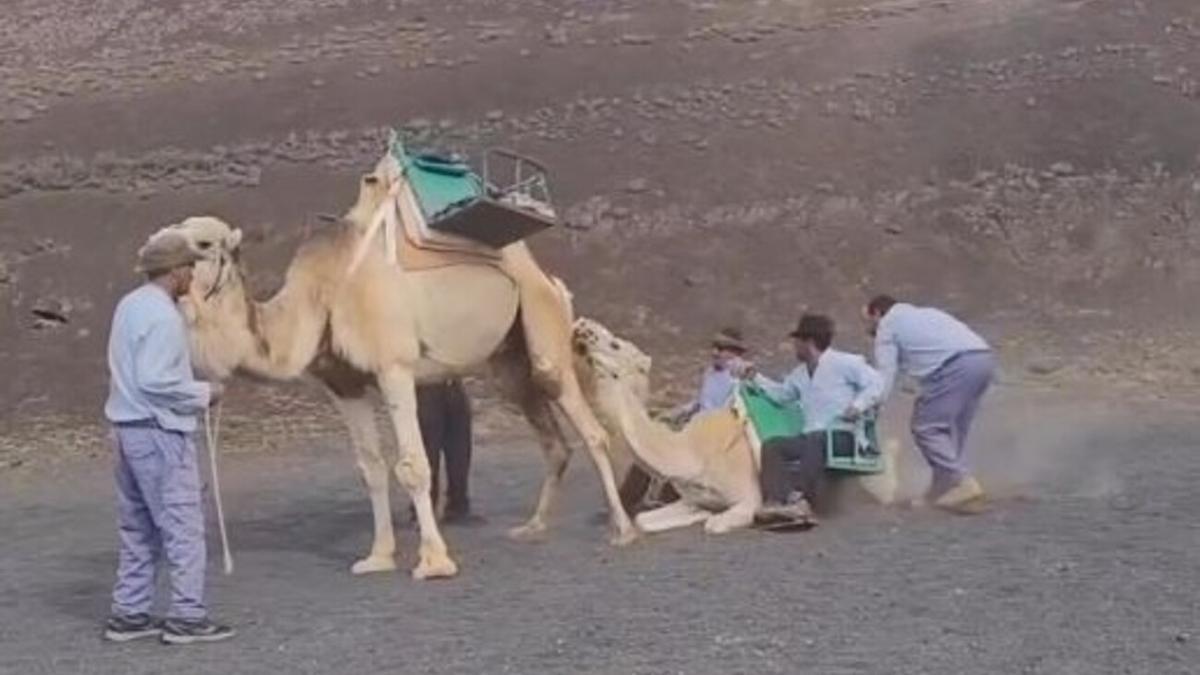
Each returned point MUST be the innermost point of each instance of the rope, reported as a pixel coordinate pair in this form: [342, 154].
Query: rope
[212, 430]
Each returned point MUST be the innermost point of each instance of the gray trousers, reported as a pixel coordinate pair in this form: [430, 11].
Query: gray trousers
[944, 411]
[160, 519]
[797, 464]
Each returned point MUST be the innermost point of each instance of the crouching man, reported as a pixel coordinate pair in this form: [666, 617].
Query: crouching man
[830, 385]
[955, 368]
[153, 404]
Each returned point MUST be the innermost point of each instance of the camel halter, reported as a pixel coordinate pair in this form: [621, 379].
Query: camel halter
[212, 430]
[220, 282]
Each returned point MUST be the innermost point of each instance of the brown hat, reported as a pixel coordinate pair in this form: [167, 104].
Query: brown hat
[164, 252]
[730, 338]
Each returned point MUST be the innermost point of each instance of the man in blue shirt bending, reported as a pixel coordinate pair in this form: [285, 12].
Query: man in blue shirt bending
[152, 405]
[832, 386]
[955, 367]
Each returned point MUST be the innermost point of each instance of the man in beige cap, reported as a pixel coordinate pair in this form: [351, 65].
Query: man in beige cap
[152, 404]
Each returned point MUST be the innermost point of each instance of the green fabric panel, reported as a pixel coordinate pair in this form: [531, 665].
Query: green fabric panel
[770, 419]
[436, 190]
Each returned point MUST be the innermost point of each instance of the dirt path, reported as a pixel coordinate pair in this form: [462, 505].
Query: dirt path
[1087, 568]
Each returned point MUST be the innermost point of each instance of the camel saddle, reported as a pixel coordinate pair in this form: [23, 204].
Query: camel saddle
[507, 203]
[418, 250]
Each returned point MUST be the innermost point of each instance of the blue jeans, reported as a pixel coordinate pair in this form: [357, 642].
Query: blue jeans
[159, 515]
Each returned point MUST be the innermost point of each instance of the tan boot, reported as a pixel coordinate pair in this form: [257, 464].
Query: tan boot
[966, 497]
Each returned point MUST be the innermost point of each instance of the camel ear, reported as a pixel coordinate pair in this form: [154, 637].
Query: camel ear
[235, 238]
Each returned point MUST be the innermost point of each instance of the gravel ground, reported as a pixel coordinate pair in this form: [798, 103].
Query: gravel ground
[1034, 166]
[1086, 565]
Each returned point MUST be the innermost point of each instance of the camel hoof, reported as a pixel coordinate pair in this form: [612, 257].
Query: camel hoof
[374, 563]
[531, 531]
[435, 567]
[624, 538]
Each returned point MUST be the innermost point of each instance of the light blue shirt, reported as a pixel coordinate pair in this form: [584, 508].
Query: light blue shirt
[149, 367]
[716, 389]
[918, 340]
[840, 380]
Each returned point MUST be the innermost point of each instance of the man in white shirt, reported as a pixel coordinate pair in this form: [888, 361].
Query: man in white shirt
[832, 386]
[955, 367]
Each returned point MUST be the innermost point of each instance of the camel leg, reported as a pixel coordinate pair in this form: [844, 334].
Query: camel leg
[736, 517]
[364, 436]
[557, 454]
[412, 470]
[674, 515]
[575, 407]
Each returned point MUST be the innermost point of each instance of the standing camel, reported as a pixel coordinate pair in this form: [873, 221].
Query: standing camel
[354, 319]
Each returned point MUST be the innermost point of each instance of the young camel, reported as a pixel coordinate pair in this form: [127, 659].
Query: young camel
[386, 327]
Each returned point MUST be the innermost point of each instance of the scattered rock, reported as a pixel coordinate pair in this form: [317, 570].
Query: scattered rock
[637, 185]
[1163, 80]
[1045, 366]
[1182, 637]
[50, 313]
[374, 70]
[495, 115]
[636, 40]
[557, 36]
[1062, 168]
[317, 83]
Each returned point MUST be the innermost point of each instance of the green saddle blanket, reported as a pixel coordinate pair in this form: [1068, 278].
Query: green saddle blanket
[439, 182]
[768, 418]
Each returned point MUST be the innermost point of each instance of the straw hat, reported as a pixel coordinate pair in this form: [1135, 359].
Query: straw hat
[164, 252]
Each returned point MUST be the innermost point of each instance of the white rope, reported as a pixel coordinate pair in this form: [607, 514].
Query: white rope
[212, 430]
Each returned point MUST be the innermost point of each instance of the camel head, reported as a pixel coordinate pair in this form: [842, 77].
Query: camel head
[216, 307]
[374, 191]
[604, 360]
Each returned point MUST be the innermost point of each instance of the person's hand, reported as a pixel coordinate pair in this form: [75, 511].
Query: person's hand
[852, 413]
[216, 393]
[745, 370]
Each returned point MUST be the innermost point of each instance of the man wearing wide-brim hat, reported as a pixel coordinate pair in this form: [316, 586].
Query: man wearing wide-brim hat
[153, 405]
[833, 387]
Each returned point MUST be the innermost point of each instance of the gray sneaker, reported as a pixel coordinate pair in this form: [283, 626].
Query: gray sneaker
[187, 631]
[120, 628]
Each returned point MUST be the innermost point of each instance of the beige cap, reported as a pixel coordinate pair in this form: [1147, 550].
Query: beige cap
[164, 252]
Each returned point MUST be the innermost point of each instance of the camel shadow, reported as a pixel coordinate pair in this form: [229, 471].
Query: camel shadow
[330, 529]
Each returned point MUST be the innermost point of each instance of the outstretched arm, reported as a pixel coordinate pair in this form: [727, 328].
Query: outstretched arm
[780, 392]
[868, 383]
